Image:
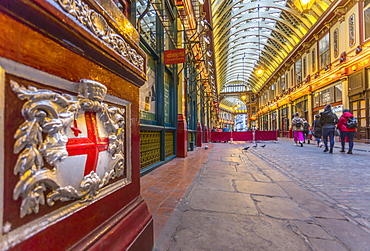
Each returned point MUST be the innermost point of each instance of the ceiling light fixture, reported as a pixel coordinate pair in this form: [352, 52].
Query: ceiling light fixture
[304, 5]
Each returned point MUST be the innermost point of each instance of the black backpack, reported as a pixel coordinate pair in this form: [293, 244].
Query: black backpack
[298, 123]
[306, 127]
[351, 123]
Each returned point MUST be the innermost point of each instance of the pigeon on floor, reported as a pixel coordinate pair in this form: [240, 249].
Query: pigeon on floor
[255, 145]
[206, 147]
[263, 145]
[245, 148]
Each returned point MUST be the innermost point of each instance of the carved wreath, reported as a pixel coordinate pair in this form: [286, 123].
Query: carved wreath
[42, 138]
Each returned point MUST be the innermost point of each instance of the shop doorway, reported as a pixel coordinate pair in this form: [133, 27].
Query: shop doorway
[358, 109]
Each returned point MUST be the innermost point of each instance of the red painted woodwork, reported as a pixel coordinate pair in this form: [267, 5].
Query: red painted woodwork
[36, 34]
[199, 135]
[182, 137]
[206, 134]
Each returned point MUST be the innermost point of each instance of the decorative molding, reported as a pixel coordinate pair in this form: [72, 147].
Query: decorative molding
[99, 27]
[44, 137]
[12, 236]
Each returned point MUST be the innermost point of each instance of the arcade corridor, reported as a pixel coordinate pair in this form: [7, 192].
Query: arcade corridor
[224, 198]
[107, 106]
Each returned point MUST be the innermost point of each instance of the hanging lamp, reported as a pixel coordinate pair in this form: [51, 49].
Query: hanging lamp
[304, 5]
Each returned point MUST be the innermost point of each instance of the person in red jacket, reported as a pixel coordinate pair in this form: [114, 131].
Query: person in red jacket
[346, 132]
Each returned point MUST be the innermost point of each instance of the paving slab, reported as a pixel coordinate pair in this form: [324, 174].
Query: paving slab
[220, 201]
[279, 197]
[327, 245]
[228, 175]
[261, 177]
[281, 208]
[217, 231]
[261, 188]
[309, 202]
[353, 236]
[219, 183]
[313, 230]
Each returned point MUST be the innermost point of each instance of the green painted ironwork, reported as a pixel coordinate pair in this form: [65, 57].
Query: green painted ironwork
[169, 146]
[150, 148]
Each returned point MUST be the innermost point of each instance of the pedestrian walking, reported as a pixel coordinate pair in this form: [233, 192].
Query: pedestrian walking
[328, 120]
[347, 130]
[306, 131]
[317, 130]
[297, 128]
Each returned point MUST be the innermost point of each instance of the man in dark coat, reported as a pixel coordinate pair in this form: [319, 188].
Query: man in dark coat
[317, 130]
[328, 120]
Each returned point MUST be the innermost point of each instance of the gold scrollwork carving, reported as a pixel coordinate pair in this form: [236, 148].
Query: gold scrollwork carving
[99, 26]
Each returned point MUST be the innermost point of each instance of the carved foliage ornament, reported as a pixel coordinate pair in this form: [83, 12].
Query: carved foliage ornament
[98, 25]
[72, 145]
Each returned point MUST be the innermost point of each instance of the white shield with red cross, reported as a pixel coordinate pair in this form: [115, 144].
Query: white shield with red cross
[87, 148]
[83, 143]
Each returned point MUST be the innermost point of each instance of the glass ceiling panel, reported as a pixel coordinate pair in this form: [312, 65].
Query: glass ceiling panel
[249, 34]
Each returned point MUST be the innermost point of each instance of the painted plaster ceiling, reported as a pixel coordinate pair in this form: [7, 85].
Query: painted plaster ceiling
[252, 34]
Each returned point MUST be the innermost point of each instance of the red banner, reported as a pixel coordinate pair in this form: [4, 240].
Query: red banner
[266, 135]
[244, 136]
[176, 56]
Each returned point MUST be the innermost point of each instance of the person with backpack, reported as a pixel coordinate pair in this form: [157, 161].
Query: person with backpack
[328, 120]
[306, 131]
[347, 125]
[297, 123]
[317, 130]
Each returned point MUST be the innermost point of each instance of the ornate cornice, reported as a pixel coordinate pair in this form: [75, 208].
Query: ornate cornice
[97, 24]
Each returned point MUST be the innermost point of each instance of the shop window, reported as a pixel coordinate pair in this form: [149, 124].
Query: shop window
[286, 80]
[148, 93]
[168, 94]
[324, 51]
[292, 77]
[300, 108]
[338, 92]
[352, 30]
[367, 19]
[147, 22]
[272, 91]
[313, 60]
[336, 42]
[327, 96]
[282, 82]
[298, 71]
[316, 100]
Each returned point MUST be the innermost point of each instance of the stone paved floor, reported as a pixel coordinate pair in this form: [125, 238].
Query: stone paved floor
[280, 197]
[163, 188]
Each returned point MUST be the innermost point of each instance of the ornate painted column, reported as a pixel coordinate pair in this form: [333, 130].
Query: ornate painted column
[69, 128]
[199, 135]
[345, 99]
[182, 137]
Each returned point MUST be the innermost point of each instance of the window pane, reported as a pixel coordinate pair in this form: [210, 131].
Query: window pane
[338, 92]
[148, 93]
[147, 23]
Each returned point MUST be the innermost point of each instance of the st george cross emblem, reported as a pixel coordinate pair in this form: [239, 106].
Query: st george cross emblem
[81, 138]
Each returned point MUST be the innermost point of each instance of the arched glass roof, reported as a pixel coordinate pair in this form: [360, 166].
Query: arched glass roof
[250, 34]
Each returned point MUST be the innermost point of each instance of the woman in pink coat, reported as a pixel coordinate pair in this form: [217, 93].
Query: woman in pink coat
[345, 131]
